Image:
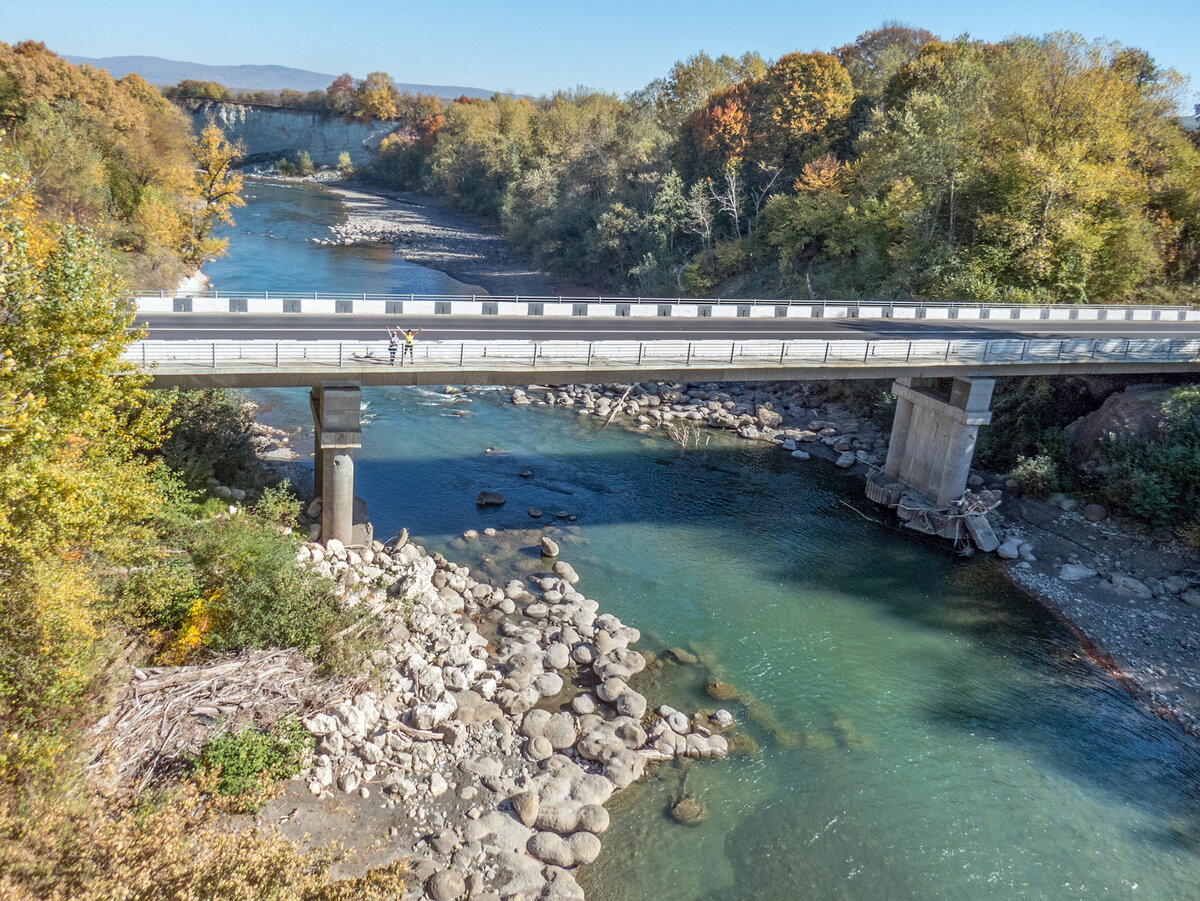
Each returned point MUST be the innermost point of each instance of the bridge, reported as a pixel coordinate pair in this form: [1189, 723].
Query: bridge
[335, 344]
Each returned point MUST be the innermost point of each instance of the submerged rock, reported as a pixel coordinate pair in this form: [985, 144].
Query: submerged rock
[490, 499]
[689, 811]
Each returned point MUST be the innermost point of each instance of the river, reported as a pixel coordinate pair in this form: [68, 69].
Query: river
[924, 730]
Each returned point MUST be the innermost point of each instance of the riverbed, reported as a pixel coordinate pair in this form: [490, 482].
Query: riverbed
[923, 729]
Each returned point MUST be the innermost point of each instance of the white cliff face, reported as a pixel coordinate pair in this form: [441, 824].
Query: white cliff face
[271, 134]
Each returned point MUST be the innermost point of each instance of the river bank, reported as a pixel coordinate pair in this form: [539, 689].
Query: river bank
[503, 723]
[427, 232]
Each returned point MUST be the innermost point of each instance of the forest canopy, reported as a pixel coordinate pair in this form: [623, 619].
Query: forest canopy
[900, 165]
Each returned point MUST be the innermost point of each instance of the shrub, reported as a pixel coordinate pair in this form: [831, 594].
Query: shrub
[209, 438]
[253, 594]
[1158, 480]
[279, 506]
[1037, 476]
[178, 849]
[247, 761]
[301, 166]
[344, 166]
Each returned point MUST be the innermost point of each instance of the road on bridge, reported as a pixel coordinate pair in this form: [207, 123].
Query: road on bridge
[357, 327]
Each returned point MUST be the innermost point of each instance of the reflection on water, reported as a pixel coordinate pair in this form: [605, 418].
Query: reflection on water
[914, 728]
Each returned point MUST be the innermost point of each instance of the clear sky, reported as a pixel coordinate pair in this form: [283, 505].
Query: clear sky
[537, 46]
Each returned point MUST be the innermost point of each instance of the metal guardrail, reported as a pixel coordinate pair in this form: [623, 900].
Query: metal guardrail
[726, 301]
[520, 305]
[171, 357]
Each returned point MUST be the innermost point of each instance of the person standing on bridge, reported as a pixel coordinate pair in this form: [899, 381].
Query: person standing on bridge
[409, 335]
[393, 343]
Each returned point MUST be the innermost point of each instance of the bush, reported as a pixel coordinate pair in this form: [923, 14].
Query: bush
[344, 166]
[1158, 480]
[209, 438]
[252, 593]
[1037, 476]
[246, 762]
[178, 849]
[302, 166]
[279, 506]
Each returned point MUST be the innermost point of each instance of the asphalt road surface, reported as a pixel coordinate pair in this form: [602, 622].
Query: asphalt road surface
[354, 327]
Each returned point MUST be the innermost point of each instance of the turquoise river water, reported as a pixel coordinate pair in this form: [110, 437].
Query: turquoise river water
[923, 729]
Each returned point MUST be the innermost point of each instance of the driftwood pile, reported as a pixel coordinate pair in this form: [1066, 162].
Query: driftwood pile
[165, 714]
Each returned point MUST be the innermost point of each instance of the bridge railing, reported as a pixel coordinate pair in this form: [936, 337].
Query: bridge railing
[282, 302]
[355, 356]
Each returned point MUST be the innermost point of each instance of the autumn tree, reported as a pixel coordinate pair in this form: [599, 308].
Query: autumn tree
[802, 109]
[376, 97]
[876, 55]
[339, 96]
[219, 188]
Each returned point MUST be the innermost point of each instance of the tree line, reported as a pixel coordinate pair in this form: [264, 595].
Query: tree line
[900, 165]
[373, 97]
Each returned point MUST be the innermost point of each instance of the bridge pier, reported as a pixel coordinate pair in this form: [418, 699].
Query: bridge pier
[336, 410]
[933, 438]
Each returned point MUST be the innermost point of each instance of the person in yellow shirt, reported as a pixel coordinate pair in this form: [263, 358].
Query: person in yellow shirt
[409, 335]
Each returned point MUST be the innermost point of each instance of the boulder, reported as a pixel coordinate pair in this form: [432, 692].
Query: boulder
[1073, 572]
[525, 805]
[1010, 549]
[768, 418]
[446, 885]
[1094, 513]
[580, 848]
[490, 499]
[846, 459]
[1128, 585]
[566, 572]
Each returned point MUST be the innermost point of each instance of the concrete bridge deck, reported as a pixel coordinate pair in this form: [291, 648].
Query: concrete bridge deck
[265, 363]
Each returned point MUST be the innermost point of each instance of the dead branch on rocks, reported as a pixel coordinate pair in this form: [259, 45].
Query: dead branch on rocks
[165, 714]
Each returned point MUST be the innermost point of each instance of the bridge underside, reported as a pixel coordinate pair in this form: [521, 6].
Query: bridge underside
[376, 376]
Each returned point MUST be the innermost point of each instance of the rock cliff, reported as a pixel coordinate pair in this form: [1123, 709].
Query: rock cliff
[270, 134]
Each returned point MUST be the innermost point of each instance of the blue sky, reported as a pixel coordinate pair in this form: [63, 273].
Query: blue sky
[538, 46]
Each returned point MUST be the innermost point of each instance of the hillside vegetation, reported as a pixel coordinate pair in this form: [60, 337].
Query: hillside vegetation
[1036, 169]
[116, 158]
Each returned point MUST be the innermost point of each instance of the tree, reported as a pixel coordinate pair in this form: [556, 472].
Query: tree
[339, 96]
[218, 189]
[802, 109]
[878, 54]
[693, 81]
[376, 97]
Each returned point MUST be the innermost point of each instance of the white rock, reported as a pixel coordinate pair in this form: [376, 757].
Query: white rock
[1073, 572]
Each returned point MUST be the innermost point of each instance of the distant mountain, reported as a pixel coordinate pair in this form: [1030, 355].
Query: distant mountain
[164, 72]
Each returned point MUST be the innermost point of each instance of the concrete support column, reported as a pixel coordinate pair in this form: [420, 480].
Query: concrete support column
[901, 422]
[337, 497]
[336, 407]
[933, 438]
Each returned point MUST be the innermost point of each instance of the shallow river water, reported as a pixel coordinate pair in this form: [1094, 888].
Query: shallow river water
[922, 729]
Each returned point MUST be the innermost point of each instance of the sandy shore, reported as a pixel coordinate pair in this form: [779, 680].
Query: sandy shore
[428, 233]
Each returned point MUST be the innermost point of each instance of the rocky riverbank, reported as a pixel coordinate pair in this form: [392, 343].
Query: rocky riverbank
[427, 232]
[501, 722]
[1132, 598]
